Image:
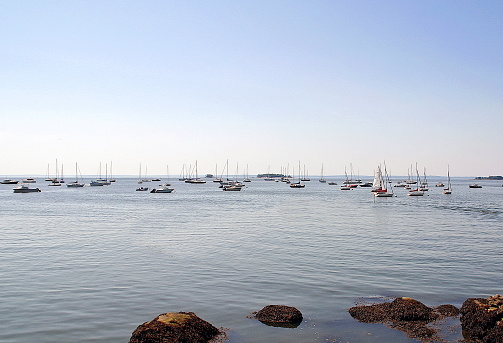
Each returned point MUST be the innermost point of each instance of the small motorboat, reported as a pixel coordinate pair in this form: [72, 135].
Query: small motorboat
[9, 182]
[142, 189]
[26, 189]
[475, 185]
[29, 180]
[162, 189]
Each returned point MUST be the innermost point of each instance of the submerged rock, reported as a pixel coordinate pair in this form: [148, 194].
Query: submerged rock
[175, 327]
[279, 315]
[405, 314]
[482, 319]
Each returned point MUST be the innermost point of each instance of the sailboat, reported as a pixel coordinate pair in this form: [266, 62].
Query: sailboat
[380, 186]
[217, 179]
[297, 184]
[322, 180]
[76, 182]
[48, 177]
[195, 180]
[55, 181]
[345, 184]
[424, 184]
[100, 181]
[417, 191]
[305, 177]
[111, 177]
[448, 190]
[246, 178]
[232, 185]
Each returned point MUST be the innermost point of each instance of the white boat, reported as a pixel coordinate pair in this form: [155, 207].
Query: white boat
[475, 185]
[24, 188]
[448, 190]
[162, 189]
[345, 183]
[416, 192]
[236, 187]
[142, 189]
[76, 183]
[29, 180]
[380, 184]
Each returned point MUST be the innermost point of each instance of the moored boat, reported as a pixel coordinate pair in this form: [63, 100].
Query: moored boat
[24, 188]
[9, 182]
[162, 189]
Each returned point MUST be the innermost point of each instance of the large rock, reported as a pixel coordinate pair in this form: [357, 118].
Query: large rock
[175, 327]
[279, 315]
[405, 314]
[482, 319]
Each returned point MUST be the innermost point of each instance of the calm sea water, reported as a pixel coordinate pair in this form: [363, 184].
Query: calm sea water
[91, 264]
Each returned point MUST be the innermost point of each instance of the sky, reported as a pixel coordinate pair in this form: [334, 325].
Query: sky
[263, 84]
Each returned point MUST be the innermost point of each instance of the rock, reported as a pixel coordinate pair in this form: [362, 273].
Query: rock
[399, 310]
[404, 314]
[447, 310]
[408, 309]
[279, 315]
[175, 327]
[482, 318]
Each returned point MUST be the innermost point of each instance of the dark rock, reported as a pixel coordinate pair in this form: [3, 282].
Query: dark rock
[447, 310]
[279, 315]
[482, 319]
[408, 309]
[405, 314]
[175, 327]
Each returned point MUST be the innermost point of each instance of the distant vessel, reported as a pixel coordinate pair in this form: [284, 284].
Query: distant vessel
[9, 182]
[195, 180]
[322, 180]
[297, 184]
[417, 191]
[162, 189]
[380, 184]
[26, 189]
[475, 185]
[29, 180]
[448, 190]
[76, 183]
[345, 183]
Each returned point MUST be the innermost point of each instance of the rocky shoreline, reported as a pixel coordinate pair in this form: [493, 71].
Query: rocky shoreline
[481, 321]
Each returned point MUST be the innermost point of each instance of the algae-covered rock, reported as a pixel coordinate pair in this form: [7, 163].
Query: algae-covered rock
[175, 327]
[482, 319]
[404, 314]
[279, 315]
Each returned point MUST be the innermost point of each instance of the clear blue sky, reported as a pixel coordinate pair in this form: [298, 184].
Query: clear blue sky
[263, 83]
